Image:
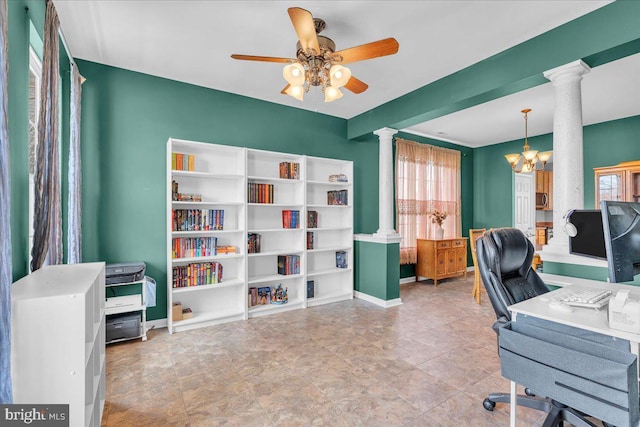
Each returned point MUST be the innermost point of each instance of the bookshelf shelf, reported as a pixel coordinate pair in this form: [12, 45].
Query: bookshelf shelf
[330, 184]
[203, 232]
[329, 271]
[273, 278]
[224, 284]
[273, 180]
[206, 258]
[227, 178]
[195, 205]
[294, 251]
[205, 175]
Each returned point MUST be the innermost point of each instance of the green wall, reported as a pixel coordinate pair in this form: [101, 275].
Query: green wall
[127, 118]
[605, 144]
[377, 269]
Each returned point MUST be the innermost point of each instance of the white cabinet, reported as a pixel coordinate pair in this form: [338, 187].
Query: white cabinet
[261, 193]
[58, 340]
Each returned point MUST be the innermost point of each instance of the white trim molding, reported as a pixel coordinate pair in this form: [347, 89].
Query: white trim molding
[375, 238]
[377, 301]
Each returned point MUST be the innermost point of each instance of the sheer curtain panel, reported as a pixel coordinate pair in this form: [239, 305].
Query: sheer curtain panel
[47, 228]
[6, 393]
[427, 179]
[74, 230]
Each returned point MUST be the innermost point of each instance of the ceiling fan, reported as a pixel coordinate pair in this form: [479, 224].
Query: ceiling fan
[318, 64]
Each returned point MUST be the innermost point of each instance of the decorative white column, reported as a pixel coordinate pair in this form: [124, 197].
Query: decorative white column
[568, 165]
[385, 188]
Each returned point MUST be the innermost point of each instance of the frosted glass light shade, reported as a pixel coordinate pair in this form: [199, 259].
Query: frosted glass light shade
[294, 74]
[530, 154]
[513, 159]
[339, 75]
[296, 92]
[545, 156]
[331, 94]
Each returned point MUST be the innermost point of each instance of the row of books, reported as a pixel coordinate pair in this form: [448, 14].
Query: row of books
[189, 247]
[183, 162]
[289, 170]
[312, 219]
[338, 197]
[197, 219]
[288, 264]
[310, 239]
[197, 274]
[290, 219]
[260, 193]
[268, 295]
[254, 243]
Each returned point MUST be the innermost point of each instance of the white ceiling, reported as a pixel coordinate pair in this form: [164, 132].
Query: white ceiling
[191, 41]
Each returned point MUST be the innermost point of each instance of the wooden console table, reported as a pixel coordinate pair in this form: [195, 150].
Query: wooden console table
[443, 258]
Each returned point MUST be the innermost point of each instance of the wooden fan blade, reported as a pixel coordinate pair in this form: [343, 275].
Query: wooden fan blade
[370, 50]
[305, 29]
[356, 86]
[284, 91]
[262, 58]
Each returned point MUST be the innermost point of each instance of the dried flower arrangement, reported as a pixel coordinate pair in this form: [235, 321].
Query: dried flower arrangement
[438, 217]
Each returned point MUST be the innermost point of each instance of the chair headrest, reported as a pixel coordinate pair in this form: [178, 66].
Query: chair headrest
[512, 246]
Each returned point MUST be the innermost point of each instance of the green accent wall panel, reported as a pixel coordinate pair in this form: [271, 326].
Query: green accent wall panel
[377, 269]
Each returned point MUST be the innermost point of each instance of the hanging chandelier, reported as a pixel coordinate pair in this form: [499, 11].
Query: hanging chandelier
[321, 70]
[526, 162]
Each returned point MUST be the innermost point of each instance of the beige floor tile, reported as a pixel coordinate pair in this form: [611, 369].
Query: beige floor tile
[429, 362]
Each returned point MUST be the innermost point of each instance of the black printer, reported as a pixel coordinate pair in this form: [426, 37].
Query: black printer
[124, 272]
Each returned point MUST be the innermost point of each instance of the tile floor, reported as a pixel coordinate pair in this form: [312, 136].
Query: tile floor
[429, 362]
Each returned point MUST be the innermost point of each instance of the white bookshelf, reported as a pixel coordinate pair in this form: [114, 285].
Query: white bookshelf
[58, 340]
[220, 178]
[222, 175]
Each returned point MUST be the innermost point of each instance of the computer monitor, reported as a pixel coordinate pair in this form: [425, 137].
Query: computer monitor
[589, 238]
[621, 222]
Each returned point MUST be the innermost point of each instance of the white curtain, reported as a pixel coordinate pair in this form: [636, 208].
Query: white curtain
[74, 220]
[427, 179]
[6, 394]
[47, 228]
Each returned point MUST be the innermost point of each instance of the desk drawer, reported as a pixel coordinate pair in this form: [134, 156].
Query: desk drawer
[443, 244]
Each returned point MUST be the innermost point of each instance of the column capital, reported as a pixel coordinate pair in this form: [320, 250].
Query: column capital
[572, 69]
[385, 132]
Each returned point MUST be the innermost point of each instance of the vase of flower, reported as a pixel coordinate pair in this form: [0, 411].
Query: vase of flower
[438, 217]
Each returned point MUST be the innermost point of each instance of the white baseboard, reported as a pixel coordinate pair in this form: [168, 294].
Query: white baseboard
[378, 301]
[406, 280]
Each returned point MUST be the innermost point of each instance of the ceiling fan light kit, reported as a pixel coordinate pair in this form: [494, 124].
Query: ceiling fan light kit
[527, 161]
[318, 64]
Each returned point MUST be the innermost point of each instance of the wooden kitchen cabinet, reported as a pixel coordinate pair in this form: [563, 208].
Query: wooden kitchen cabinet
[440, 259]
[544, 190]
[620, 182]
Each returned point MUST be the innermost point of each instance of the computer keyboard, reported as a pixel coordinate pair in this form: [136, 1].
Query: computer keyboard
[591, 298]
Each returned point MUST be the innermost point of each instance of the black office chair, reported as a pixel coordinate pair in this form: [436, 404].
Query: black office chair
[504, 258]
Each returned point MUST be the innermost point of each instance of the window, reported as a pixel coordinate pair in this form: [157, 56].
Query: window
[427, 179]
[35, 75]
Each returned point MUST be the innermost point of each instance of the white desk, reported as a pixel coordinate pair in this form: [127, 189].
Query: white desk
[583, 318]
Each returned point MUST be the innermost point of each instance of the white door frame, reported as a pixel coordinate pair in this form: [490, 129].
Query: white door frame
[524, 210]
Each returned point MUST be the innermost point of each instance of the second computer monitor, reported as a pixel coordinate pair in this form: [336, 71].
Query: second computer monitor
[621, 223]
